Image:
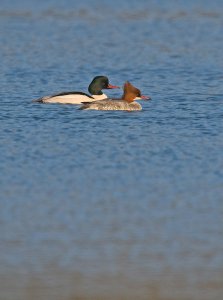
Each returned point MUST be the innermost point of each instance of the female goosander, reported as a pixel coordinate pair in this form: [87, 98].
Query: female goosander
[95, 89]
[130, 94]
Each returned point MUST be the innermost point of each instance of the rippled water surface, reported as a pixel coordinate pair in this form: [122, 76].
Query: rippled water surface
[111, 205]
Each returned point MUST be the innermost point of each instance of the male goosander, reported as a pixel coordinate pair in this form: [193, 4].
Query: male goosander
[95, 89]
[130, 94]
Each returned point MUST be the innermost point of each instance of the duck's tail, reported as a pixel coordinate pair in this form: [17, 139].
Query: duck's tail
[85, 105]
[41, 100]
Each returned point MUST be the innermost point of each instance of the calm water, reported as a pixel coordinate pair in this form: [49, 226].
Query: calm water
[111, 205]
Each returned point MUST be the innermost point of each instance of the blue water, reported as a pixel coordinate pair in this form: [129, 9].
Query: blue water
[111, 205]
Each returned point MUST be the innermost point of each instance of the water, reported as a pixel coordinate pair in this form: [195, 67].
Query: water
[111, 205]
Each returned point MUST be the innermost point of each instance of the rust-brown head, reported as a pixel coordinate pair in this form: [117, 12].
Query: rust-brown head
[131, 93]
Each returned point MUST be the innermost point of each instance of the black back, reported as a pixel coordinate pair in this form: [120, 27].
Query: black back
[71, 93]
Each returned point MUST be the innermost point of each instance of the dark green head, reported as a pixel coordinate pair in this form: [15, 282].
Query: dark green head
[99, 83]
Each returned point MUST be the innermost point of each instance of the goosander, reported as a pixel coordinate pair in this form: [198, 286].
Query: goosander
[130, 94]
[95, 89]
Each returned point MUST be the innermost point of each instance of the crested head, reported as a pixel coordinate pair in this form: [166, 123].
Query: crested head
[101, 79]
[97, 84]
[130, 92]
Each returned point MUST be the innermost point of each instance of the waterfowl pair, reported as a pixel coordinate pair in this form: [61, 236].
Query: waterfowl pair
[127, 102]
[95, 89]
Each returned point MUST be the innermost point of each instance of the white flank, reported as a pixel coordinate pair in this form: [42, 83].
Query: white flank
[68, 99]
[72, 99]
[100, 97]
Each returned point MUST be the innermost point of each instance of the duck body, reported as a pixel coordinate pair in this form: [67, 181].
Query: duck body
[95, 93]
[127, 102]
[71, 98]
[110, 104]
